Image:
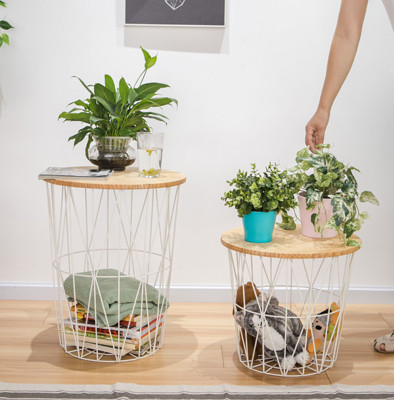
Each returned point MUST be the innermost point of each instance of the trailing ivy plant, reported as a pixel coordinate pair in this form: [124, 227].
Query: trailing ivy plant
[274, 190]
[330, 178]
[118, 111]
[4, 25]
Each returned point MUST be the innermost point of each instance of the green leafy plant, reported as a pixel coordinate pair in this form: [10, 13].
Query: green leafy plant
[274, 190]
[4, 25]
[330, 178]
[118, 111]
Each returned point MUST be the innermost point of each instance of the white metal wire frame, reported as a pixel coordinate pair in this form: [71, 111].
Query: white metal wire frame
[304, 286]
[125, 233]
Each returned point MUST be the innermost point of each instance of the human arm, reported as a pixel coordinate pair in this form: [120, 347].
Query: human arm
[342, 53]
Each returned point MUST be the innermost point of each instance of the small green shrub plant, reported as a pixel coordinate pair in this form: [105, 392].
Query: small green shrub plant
[324, 176]
[118, 111]
[273, 190]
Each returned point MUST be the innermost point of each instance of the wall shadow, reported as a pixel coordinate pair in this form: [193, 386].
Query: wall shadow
[177, 38]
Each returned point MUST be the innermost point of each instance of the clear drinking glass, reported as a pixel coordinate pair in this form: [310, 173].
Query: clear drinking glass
[150, 153]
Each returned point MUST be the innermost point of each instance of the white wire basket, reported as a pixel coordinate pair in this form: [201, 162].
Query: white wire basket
[288, 306]
[112, 254]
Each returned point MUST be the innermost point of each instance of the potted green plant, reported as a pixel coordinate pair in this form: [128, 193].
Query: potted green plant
[329, 196]
[112, 116]
[4, 25]
[258, 198]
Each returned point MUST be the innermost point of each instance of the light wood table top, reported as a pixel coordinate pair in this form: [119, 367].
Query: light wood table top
[124, 180]
[288, 244]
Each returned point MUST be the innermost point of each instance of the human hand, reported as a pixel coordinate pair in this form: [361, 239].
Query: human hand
[316, 128]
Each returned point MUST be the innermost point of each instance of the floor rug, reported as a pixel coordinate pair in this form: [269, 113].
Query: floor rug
[125, 391]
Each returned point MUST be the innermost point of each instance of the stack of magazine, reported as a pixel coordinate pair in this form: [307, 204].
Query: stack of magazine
[131, 334]
[74, 172]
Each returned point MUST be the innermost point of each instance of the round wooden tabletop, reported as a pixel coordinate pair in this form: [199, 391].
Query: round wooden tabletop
[124, 180]
[288, 244]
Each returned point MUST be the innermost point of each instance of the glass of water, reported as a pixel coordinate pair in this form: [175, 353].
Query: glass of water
[150, 153]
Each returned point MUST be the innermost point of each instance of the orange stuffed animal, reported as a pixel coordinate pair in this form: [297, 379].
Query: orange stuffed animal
[324, 327]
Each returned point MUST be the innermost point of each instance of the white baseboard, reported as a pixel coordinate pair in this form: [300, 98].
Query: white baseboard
[190, 293]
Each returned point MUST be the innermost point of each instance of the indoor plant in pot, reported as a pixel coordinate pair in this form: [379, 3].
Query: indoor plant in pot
[329, 197]
[258, 198]
[112, 117]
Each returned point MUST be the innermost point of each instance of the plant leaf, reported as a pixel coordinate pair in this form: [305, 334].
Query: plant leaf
[354, 243]
[369, 197]
[146, 54]
[109, 83]
[5, 25]
[5, 38]
[340, 209]
[123, 91]
[78, 137]
[84, 84]
[125, 132]
[82, 117]
[105, 104]
[2, 3]
[287, 222]
[90, 140]
[151, 62]
[149, 88]
[102, 92]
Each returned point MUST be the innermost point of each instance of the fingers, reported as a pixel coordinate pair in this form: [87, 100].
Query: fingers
[310, 137]
[319, 137]
[316, 128]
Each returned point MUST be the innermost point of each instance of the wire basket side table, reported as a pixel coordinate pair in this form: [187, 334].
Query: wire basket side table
[112, 244]
[310, 279]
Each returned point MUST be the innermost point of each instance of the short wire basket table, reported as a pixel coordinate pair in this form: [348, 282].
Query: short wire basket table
[289, 299]
[112, 245]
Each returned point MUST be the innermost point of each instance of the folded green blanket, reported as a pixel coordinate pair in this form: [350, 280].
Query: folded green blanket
[104, 294]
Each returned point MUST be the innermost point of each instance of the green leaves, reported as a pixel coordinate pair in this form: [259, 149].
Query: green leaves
[273, 190]
[149, 61]
[123, 91]
[148, 89]
[4, 25]
[330, 178]
[109, 84]
[287, 222]
[72, 116]
[369, 197]
[122, 111]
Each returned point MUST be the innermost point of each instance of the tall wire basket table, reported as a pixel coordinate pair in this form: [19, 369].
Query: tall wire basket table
[112, 245]
[289, 299]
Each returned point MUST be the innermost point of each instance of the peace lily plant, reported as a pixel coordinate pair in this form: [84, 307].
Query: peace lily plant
[121, 111]
[326, 177]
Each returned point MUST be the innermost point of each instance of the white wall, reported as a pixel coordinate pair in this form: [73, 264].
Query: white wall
[247, 102]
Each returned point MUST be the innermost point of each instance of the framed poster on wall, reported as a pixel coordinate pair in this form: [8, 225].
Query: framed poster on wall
[176, 12]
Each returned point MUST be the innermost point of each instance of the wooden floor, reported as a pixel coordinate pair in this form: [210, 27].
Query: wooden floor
[199, 349]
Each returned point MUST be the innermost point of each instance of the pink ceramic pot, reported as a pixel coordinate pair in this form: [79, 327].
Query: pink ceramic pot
[307, 228]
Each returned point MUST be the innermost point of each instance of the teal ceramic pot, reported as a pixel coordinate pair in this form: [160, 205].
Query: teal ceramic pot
[258, 226]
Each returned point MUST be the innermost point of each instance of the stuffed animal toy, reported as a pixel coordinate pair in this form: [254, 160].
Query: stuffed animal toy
[277, 329]
[248, 344]
[324, 328]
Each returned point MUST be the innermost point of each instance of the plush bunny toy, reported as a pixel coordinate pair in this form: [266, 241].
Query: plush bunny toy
[279, 331]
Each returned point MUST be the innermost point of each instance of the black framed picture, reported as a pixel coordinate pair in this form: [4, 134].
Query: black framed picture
[176, 12]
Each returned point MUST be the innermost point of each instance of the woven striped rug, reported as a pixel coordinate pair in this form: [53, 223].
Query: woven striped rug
[125, 391]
